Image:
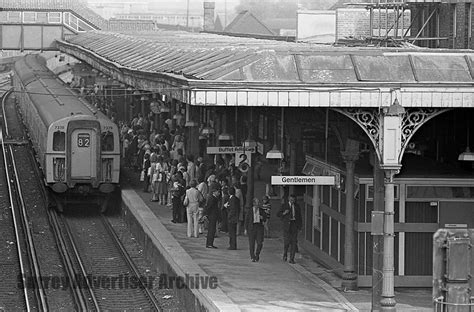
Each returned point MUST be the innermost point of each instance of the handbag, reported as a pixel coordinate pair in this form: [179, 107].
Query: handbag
[142, 176]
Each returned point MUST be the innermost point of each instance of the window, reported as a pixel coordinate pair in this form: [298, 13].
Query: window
[14, 17]
[54, 17]
[437, 192]
[41, 17]
[29, 17]
[59, 141]
[107, 141]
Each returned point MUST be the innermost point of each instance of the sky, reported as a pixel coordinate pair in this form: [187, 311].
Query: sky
[194, 5]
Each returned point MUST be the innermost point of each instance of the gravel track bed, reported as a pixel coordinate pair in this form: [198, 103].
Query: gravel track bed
[165, 297]
[102, 260]
[59, 299]
[11, 295]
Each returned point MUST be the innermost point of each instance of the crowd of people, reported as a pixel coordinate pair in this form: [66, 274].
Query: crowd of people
[206, 195]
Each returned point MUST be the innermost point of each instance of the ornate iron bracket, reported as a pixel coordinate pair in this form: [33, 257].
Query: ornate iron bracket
[413, 119]
[371, 121]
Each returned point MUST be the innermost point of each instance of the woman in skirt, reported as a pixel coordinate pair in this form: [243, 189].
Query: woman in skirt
[162, 168]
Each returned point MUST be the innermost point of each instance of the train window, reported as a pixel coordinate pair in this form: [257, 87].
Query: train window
[107, 141]
[59, 141]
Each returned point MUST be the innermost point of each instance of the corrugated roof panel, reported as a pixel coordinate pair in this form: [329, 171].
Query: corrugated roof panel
[213, 54]
[384, 68]
[430, 67]
[218, 57]
[214, 64]
[271, 67]
[237, 63]
[167, 64]
[163, 63]
[119, 50]
[325, 68]
[200, 55]
[232, 76]
[160, 57]
[151, 54]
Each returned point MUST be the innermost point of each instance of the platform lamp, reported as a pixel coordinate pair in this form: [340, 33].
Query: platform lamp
[467, 155]
[275, 153]
[143, 100]
[226, 137]
[207, 130]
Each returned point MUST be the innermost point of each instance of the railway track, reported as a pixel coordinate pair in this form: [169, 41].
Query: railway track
[27, 268]
[82, 250]
[98, 266]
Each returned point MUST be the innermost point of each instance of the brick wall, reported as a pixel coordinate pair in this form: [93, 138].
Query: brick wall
[355, 22]
[352, 22]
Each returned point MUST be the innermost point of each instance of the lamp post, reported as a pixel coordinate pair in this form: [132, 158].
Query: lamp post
[392, 121]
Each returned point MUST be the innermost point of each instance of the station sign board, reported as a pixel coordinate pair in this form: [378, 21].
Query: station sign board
[303, 180]
[229, 149]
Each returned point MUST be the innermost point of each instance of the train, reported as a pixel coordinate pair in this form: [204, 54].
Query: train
[76, 145]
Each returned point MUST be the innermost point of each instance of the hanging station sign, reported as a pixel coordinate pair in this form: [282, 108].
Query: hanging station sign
[229, 149]
[303, 180]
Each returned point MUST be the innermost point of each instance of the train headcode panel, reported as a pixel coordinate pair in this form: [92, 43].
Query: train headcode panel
[83, 140]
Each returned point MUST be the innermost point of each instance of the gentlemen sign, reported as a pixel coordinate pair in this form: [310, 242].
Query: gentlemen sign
[229, 149]
[303, 180]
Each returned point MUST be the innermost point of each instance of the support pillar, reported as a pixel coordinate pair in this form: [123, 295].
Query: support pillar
[388, 294]
[349, 278]
[377, 245]
[250, 172]
[292, 164]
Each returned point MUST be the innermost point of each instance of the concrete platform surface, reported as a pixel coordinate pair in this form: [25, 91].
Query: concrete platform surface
[270, 284]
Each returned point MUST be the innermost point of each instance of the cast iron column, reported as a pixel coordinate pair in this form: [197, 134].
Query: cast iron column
[349, 278]
[250, 172]
[388, 295]
[377, 240]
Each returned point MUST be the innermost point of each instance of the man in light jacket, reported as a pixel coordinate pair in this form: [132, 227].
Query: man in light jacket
[191, 202]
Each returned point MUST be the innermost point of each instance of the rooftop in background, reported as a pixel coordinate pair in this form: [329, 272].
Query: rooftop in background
[79, 9]
[216, 57]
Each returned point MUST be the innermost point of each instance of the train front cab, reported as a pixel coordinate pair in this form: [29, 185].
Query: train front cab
[82, 156]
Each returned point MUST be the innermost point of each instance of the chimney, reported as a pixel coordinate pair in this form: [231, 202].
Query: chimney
[209, 15]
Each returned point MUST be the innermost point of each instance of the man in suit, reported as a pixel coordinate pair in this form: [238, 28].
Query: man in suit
[290, 214]
[254, 219]
[211, 211]
[233, 208]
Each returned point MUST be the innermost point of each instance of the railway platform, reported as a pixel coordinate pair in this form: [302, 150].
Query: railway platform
[267, 285]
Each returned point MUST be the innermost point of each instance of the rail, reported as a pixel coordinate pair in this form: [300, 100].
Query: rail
[130, 264]
[80, 293]
[22, 224]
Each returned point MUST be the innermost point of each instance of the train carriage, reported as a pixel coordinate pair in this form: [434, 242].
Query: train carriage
[78, 146]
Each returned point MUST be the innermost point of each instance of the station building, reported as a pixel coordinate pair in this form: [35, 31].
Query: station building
[327, 109]
[392, 124]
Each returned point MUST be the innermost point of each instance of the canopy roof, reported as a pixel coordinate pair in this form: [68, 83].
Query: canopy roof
[211, 69]
[215, 57]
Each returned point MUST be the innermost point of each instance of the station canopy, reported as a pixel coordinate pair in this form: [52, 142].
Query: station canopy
[211, 69]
